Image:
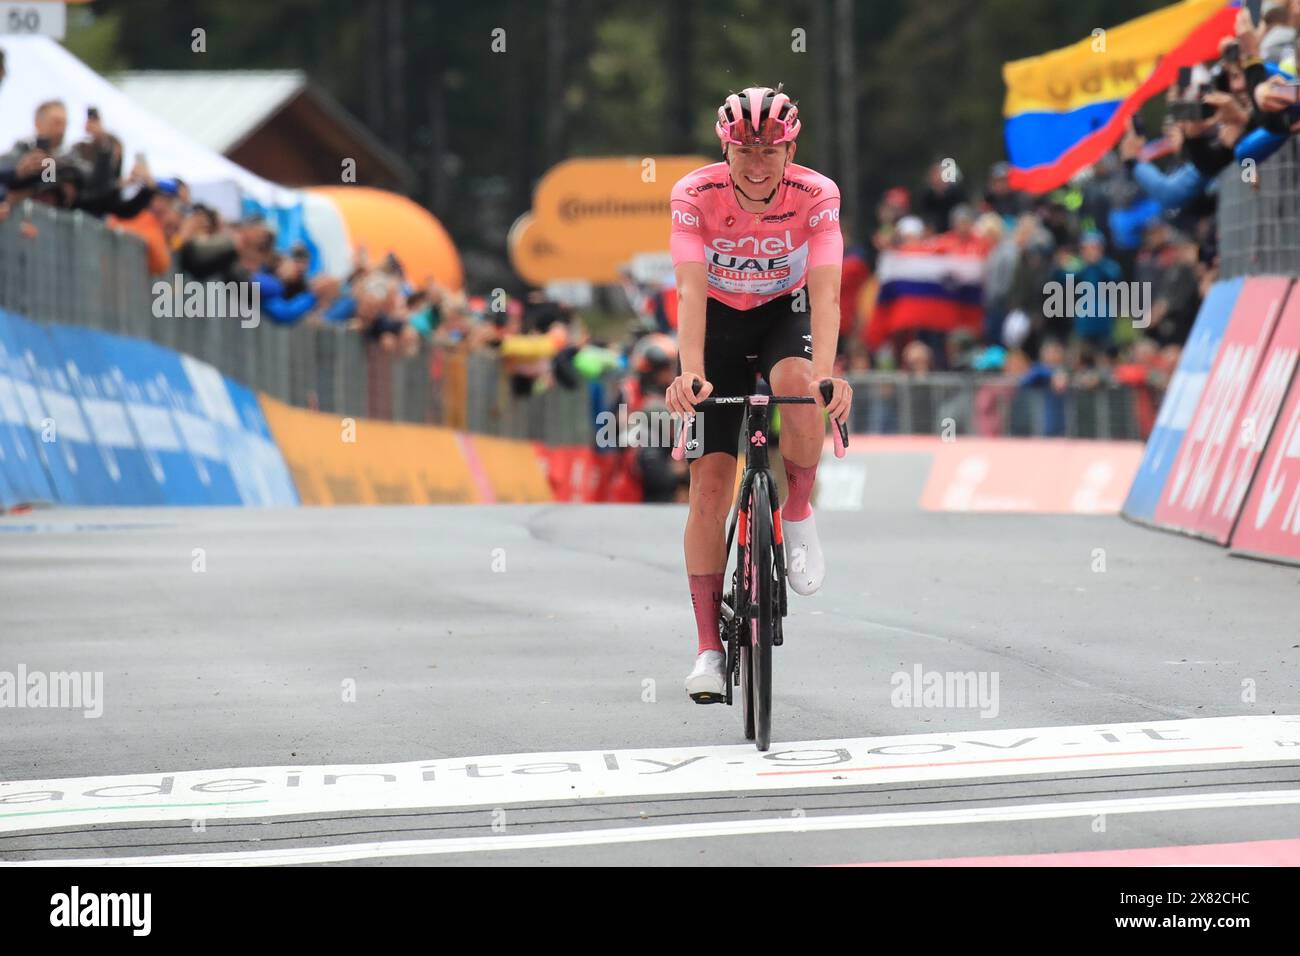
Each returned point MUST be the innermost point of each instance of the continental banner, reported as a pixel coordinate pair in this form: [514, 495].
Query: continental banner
[337, 461]
[592, 214]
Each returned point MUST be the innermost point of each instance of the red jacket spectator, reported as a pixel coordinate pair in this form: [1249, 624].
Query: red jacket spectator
[853, 277]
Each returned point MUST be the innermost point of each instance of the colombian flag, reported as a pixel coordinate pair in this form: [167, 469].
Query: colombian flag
[1066, 108]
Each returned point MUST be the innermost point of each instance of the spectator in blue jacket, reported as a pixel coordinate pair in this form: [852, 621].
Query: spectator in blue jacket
[1090, 302]
[1048, 380]
[287, 295]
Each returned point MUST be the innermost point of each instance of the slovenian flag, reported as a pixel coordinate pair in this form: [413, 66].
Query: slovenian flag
[934, 284]
[1066, 108]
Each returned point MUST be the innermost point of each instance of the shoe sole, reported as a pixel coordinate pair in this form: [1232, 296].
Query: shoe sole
[708, 697]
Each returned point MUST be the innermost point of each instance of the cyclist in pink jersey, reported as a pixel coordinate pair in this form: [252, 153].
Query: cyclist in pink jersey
[757, 250]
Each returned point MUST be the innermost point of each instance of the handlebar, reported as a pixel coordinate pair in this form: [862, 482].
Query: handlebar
[840, 433]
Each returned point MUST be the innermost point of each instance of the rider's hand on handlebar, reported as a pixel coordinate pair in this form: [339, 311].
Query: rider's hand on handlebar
[680, 399]
[841, 397]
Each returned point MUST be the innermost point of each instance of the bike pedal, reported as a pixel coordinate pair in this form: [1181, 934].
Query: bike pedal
[708, 698]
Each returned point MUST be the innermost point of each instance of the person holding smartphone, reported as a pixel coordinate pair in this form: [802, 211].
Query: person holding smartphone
[1271, 92]
[100, 156]
[20, 168]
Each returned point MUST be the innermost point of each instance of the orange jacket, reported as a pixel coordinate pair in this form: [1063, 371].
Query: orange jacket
[147, 227]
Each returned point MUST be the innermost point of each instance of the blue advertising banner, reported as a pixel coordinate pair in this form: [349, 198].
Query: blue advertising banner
[89, 418]
[1181, 399]
[114, 469]
[261, 477]
[62, 448]
[265, 476]
[182, 448]
[22, 466]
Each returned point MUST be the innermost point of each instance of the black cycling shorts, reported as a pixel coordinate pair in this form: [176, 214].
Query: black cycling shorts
[739, 343]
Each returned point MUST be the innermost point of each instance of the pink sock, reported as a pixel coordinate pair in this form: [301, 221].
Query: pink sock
[706, 598]
[799, 481]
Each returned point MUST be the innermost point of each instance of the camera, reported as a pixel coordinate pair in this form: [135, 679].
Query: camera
[1193, 111]
[1190, 112]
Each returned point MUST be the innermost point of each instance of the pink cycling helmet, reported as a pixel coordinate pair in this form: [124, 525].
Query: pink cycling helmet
[757, 116]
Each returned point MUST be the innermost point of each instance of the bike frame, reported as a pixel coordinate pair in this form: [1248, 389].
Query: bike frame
[757, 467]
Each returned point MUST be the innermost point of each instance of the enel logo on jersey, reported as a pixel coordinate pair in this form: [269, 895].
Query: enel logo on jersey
[755, 246]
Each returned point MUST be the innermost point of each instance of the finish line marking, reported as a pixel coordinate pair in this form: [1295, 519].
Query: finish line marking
[567, 777]
[297, 856]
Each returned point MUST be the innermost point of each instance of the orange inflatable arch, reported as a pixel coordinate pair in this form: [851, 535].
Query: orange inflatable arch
[385, 222]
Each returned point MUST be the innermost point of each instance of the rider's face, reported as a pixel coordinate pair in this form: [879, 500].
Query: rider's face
[757, 169]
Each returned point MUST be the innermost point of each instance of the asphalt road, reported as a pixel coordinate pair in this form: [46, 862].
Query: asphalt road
[520, 668]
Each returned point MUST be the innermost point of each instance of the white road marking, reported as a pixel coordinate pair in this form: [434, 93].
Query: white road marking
[297, 856]
[564, 777]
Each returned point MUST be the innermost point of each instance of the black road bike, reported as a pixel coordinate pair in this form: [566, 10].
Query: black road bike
[753, 608]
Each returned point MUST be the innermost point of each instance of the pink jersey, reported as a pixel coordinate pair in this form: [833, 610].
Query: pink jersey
[752, 258]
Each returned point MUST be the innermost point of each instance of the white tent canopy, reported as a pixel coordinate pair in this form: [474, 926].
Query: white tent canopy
[38, 69]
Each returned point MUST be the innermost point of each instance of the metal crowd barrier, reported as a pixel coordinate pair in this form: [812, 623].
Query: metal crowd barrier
[948, 403]
[67, 267]
[1259, 216]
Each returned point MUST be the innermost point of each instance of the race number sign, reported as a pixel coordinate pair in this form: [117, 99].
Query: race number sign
[45, 19]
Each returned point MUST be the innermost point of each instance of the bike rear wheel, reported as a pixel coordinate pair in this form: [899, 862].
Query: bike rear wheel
[757, 635]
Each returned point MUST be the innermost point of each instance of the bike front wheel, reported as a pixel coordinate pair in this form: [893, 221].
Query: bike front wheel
[745, 677]
[756, 638]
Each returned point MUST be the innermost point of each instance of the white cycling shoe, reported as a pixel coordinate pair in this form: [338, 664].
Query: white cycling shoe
[805, 568]
[707, 682]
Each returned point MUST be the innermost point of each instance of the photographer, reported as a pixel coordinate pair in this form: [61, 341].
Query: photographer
[21, 167]
[652, 365]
